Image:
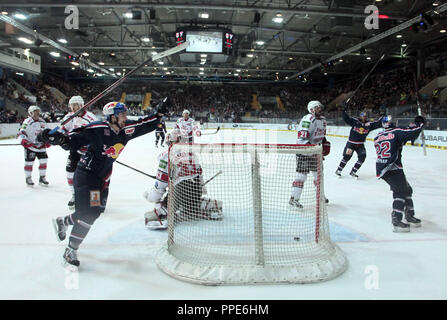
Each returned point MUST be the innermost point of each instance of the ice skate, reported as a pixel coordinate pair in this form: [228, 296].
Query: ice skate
[295, 203]
[43, 181]
[29, 181]
[71, 261]
[60, 229]
[354, 175]
[71, 203]
[399, 226]
[413, 222]
[155, 220]
[338, 173]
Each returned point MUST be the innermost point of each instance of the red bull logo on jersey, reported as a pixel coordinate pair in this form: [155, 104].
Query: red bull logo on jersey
[361, 130]
[388, 136]
[113, 151]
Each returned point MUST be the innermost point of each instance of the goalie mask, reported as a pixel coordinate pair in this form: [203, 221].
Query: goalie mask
[171, 138]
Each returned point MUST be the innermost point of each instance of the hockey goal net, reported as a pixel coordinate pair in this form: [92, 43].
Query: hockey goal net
[230, 221]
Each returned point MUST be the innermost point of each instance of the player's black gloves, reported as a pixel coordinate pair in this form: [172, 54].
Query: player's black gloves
[419, 120]
[56, 138]
[162, 106]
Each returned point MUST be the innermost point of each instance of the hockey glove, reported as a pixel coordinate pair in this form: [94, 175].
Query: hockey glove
[162, 106]
[26, 144]
[326, 148]
[419, 120]
[56, 138]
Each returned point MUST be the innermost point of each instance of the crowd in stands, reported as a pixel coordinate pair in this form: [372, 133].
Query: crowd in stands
[228, 102]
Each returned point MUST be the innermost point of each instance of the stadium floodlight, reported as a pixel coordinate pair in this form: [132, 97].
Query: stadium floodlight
[249, 55]
[101, 63]
[20, 16]
[90, 70]
[85, 54]
[204, 15]
[26, 40]
[260, 42]
[278, 18]
[145, 39]
[62, 40]
[55, 54]
[128, 15]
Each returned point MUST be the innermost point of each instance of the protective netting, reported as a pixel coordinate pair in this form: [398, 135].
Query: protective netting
[239, 227]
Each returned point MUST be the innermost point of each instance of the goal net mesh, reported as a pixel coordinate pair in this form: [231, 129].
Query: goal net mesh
[230, 221]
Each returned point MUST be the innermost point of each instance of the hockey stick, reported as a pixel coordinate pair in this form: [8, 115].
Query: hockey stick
[220, 171]
[160, 55]
[419, 112]
[364, 79]
[217, 130]
[10, 144]
[123, 164]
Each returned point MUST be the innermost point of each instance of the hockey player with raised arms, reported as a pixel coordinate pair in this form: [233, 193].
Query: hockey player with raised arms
[188, 127]
[187, 183]
[28, 132]
[360, 128]
[388, 145]
[105, 140]
[75, 103]
[311, 130]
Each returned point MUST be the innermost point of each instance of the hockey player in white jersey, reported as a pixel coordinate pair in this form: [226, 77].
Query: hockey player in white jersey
[27, 135]
[84, 118]
[311, 130]
[188, 185]
[188, 128]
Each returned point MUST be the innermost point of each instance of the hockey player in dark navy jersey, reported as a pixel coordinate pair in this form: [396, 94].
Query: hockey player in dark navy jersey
[388, 146]
[105, 140]
[356, 141]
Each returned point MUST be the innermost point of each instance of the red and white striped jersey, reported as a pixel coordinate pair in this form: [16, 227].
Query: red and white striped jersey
[29, 131]
[187, 128]
[184, 166]
[81, 120]
[311, 130]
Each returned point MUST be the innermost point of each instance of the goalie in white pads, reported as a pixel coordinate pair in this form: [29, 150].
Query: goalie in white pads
[187, 127]
[311, 130]
[187, 183]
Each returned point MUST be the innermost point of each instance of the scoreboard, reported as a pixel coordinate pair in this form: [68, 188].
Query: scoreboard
[206, 40]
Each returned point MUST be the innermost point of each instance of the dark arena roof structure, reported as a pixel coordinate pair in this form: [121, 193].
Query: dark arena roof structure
[262, 40]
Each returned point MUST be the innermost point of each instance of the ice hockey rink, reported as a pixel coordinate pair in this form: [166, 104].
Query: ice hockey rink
[117, 257]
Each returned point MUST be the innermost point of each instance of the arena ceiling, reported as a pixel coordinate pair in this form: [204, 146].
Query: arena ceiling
[319, 37]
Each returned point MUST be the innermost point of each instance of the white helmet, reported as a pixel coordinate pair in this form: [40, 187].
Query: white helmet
[31, 109]
[314, 104]
[186, 111]
[172, 137]
[76, 99]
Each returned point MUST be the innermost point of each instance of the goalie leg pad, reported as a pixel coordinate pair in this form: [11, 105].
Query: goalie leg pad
[211, 209]
[154, 195]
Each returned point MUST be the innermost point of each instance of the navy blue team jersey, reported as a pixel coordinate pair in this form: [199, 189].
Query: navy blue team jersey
[388, 144]
[104, 144]
[360, 130]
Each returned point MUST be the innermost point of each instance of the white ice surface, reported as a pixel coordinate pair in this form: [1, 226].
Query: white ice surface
[117, 257]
